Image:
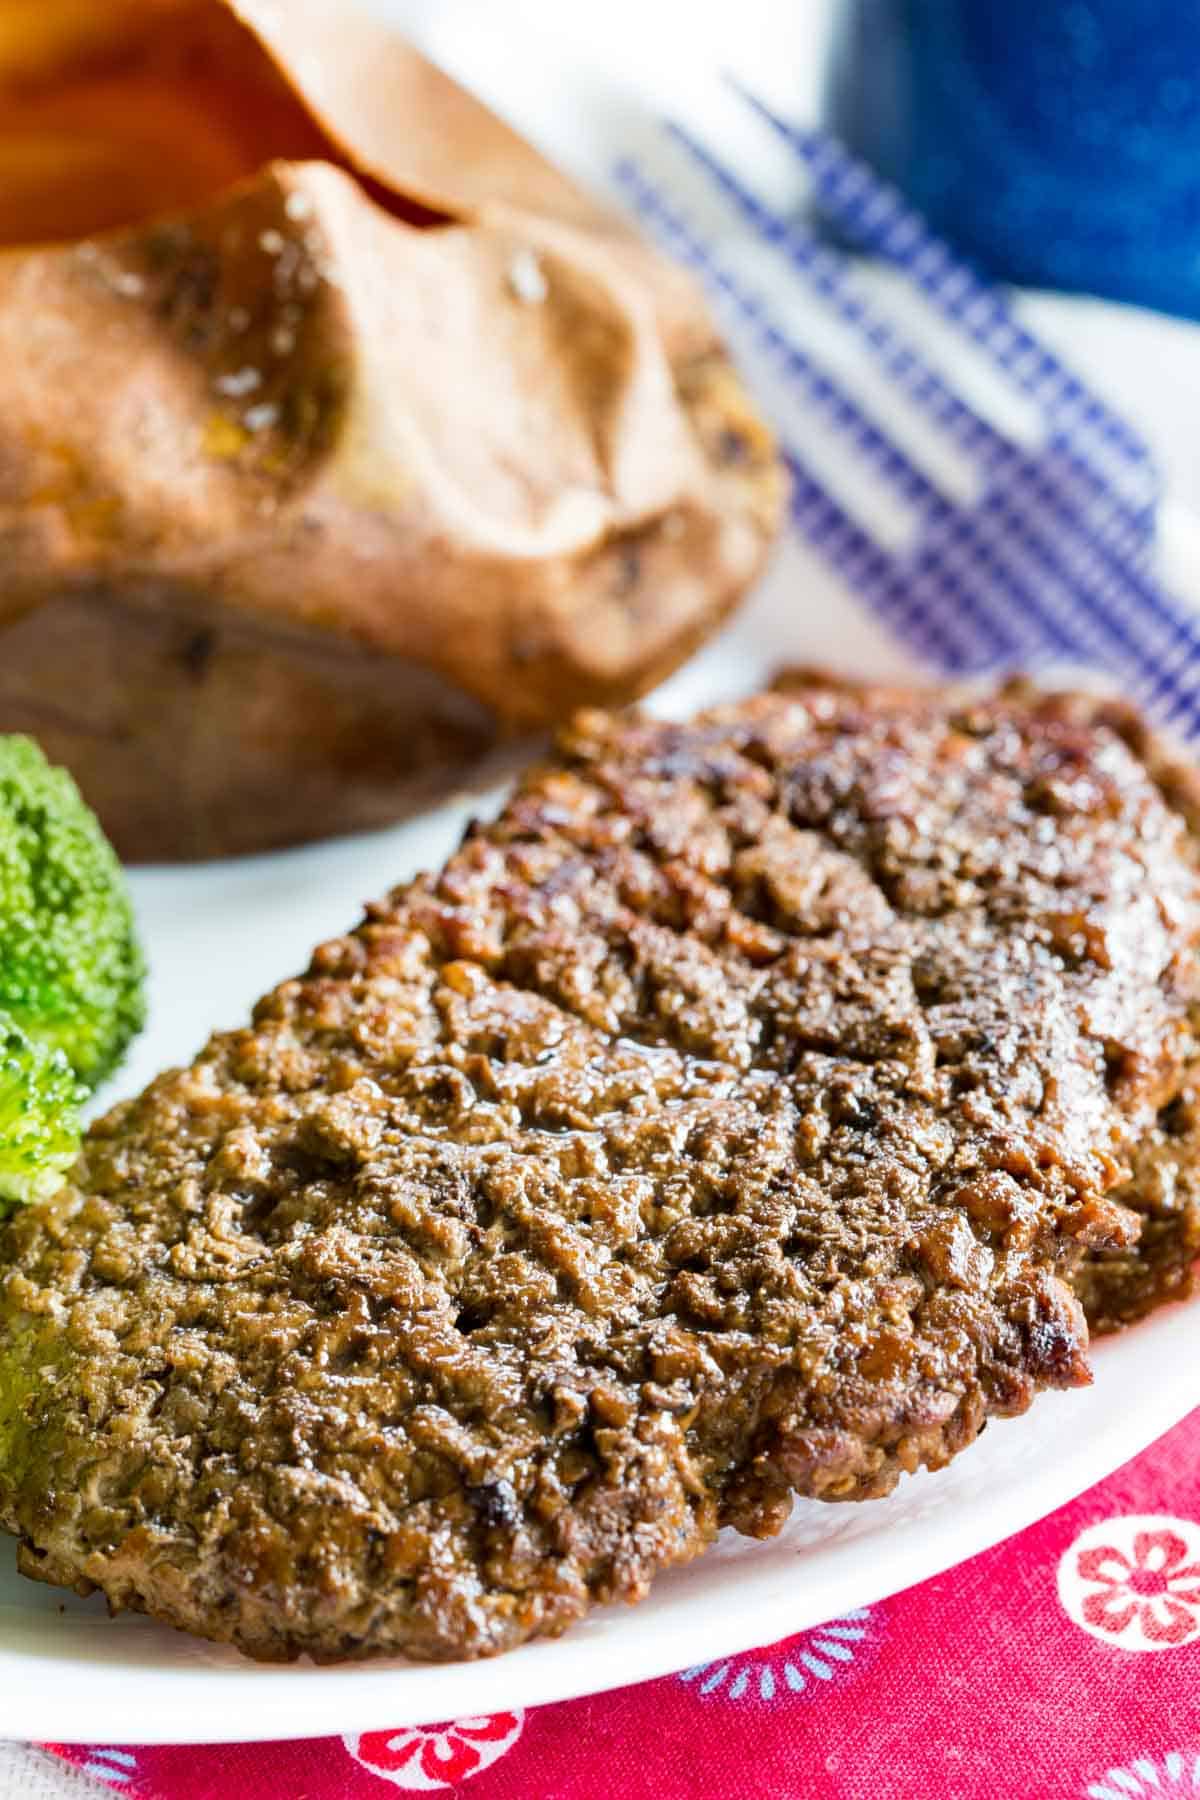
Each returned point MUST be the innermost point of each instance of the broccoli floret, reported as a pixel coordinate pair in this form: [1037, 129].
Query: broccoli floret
[39, 1116]
[71, 973]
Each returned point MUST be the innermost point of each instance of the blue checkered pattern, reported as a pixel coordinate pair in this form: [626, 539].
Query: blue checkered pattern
[1050, 561]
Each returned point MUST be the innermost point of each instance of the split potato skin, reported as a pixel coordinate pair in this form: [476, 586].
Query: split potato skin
[318, 486]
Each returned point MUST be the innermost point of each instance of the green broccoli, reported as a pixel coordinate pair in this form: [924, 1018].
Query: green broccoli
[71, 972]
[39, 1118]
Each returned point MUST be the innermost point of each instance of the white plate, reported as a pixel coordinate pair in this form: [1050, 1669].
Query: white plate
[219, 935]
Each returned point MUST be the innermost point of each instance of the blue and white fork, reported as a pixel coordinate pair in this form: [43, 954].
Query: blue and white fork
[1048, 557]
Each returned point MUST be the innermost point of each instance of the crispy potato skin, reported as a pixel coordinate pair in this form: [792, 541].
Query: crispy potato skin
[368, 452]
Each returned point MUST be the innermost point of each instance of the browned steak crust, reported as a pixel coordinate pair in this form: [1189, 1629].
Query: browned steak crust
[1119, 1286]
[727, 1120]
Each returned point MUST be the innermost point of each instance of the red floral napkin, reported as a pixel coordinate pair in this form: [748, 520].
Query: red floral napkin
[1065, 1662]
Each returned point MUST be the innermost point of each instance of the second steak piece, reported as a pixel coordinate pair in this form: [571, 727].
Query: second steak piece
[727, 1120]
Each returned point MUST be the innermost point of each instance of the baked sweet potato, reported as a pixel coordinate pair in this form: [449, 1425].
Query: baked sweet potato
[342, 437]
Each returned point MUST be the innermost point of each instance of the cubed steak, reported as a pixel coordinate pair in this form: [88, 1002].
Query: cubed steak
[729, 1120]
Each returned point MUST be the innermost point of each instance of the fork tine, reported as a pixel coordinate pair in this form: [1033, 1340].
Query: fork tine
[1095, 608]
[825, 270]
[833, 525]
[877, 218]
[1125, 531]
[1018, 576]
[822, 388]
[926, 603]
[963, 581]
[959, 583]
[1084, 607]
[1067, 486]
[1137, 622]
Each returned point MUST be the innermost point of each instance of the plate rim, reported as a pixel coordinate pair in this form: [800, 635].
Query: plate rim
[343, 1699]
[112, 1701]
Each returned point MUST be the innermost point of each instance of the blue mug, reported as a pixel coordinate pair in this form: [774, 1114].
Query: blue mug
[1056, 143]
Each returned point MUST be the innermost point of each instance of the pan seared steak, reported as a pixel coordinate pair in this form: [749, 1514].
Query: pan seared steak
[727, 1121]
[1118, 1286]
